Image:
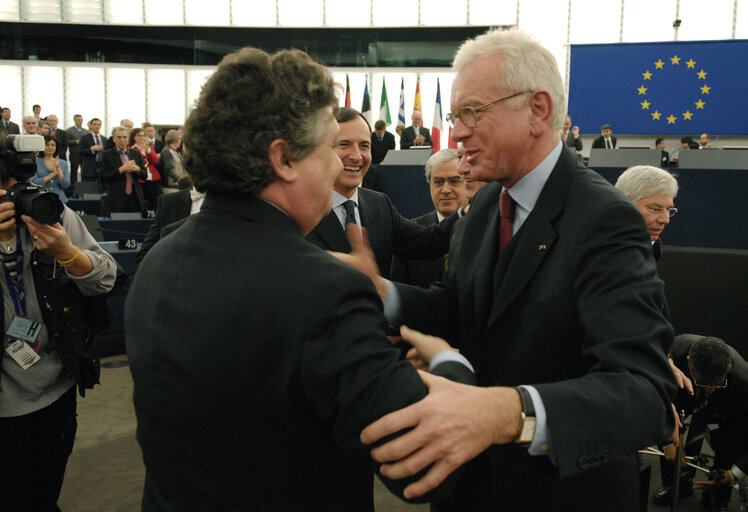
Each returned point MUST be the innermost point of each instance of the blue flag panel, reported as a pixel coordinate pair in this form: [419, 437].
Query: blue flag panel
[661, 88]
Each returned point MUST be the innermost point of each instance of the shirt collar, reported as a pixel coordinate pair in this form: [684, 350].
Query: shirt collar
[338, 199]
[527, 190]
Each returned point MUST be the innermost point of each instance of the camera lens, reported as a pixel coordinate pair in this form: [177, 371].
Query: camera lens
[46, 208]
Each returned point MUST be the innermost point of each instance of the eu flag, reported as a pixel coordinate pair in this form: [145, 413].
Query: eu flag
[660, 88]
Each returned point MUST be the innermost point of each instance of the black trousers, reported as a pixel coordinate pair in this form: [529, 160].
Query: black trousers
[33, 455]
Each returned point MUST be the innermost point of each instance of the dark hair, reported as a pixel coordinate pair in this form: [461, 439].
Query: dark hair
[345, 114]
[36, 105]
[658, 140]
[252, 99]
[380, 125]
[93, 119]
[686, 140]
[606, 127]
[48, 138]
[710, 357]
[133, 133]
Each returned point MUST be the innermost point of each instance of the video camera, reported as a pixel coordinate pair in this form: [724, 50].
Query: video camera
[18, 153]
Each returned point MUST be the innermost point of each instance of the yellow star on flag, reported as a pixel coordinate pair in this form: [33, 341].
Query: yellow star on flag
[645, 105]
[647, 75]
[691, 63]
[702, 74]
[642, 90]
[671, 119]
[700, 104]
[675, 60]
[656, 116]
[687, 115]
[705, 89]
[659, 64]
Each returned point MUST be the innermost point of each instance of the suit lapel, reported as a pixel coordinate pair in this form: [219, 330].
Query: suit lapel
[536, 237]
[332, 234]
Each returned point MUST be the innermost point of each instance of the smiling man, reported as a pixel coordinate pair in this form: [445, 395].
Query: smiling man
[553, 297]
[389, 232]
[448, 193]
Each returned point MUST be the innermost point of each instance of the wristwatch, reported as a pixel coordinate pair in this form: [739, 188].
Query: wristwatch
[526, 432]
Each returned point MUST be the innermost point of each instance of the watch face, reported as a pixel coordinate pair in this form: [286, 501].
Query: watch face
[528, 430]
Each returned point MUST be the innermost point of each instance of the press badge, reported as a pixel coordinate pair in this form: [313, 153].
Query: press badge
[22, 354]
[24, 329]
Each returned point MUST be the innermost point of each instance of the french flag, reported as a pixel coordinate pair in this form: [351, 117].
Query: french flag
[436, 127]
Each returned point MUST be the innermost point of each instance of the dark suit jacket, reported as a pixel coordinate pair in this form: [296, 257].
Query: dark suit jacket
[665, 159]
[571, 307]
[389, 232]
[13, 128]
[574, 143]
[257, 359]
[171, 208]
[418, 272]
[88, 157]
[409, 134]
[599, 143]
[62, 143]
[379, 149]
[116, 181]
[726, 407]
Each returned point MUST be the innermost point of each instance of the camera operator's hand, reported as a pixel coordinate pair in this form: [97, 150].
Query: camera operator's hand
[7, 218]
[54, 240]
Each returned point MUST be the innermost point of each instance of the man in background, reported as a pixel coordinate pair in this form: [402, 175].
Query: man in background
[389, 233]
[59, 134]
[6, 125]
[570, 135]
[415, 134]
[381, 142]
[90, 150]
[74, 135]
[606, 139]
[448, 193]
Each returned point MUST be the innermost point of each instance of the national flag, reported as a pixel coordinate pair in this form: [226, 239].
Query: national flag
[401, 111]
[660, 88]
[347, 91]
[436, 126]
[366, 104]
[417, 102]
[384, 106]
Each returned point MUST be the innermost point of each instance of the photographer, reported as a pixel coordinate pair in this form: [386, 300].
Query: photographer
[50, 275]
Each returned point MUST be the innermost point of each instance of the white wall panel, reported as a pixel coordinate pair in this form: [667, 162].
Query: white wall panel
[123, 12]
[12, 92]
[546, 21]
[348, 13]
[443, 13]
[645, 20]
[593, 21]
[125, 97]
[82, 11]
[212, 12]
[492, 12]
[395, 13]
[253, 14]
[43, 86]
[701, 21]
[164, 12]
[41, 10]
[166, 96]
[300, 13]
[84, 94]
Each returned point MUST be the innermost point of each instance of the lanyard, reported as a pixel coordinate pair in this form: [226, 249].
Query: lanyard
[15, 286]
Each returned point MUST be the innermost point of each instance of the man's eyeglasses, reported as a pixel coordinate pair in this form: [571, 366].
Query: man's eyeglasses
[454, 181]
[659, 211]
[469, 115]
[708, 387]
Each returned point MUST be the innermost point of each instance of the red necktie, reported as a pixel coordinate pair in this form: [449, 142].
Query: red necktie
[506, 211]
[128, 178]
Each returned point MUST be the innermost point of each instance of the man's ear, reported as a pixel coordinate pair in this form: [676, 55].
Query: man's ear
[541, 107]
[282, 165]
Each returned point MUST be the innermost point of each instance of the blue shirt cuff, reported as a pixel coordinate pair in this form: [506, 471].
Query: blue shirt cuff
[541, 443]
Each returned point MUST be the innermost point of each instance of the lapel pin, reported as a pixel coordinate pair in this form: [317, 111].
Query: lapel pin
[542, 247]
